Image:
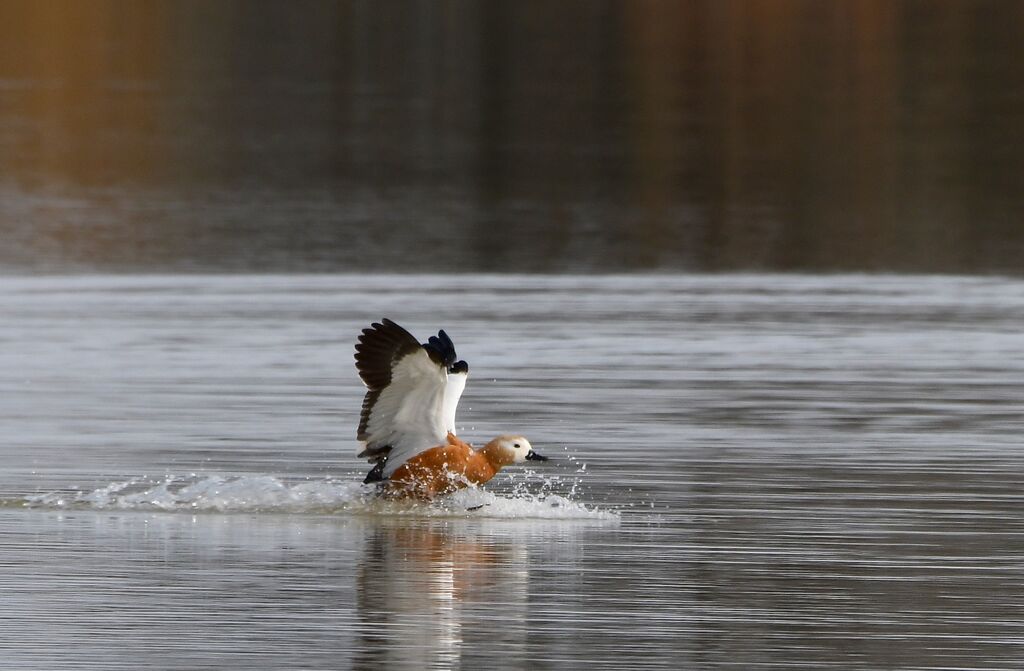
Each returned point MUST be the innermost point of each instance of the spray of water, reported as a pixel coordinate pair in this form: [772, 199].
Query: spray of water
[523, 497]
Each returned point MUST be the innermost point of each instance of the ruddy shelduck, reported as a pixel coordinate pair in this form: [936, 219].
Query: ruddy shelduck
[407, 424]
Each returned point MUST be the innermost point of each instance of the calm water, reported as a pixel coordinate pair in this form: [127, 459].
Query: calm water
[512, 135]
[753, 472]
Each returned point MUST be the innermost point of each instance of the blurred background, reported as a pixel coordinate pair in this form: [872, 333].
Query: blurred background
[511, 135]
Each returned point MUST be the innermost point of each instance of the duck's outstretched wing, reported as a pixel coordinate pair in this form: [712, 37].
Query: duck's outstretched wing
[413, 392]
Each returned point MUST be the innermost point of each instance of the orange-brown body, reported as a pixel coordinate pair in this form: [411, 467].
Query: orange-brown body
[446, 468]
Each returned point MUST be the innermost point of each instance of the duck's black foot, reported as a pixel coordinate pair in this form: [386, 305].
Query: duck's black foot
[471, 508]
[376, 473]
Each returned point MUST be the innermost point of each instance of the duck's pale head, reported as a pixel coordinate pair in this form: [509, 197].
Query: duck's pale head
[516, 449]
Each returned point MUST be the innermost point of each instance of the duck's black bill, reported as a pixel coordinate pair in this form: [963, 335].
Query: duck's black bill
[533, 456]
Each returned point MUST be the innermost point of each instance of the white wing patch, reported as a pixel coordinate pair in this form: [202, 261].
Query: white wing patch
[452, 393]
[415, 412]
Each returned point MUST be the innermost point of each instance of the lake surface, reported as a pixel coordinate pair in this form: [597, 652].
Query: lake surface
[512, 136]
[750, 472]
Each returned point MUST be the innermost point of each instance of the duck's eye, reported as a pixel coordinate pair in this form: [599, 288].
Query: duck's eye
[515, 444]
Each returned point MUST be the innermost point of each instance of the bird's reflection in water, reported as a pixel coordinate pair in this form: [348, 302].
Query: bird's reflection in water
[430, 590]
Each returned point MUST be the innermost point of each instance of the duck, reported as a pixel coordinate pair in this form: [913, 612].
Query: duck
[407, 421]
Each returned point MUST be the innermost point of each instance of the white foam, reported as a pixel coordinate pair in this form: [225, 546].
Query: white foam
[269, 494]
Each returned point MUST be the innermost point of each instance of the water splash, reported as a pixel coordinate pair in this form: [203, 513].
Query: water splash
[269, 494]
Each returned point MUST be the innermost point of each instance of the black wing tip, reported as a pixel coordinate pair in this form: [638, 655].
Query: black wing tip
[378, 347]
[384, 328]
[441, 349]
[375, 454]
[459, 367]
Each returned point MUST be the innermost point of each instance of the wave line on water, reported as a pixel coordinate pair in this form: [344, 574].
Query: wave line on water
[270, 494]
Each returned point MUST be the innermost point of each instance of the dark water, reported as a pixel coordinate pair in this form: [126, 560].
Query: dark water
[512, 136]
[751, 472]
